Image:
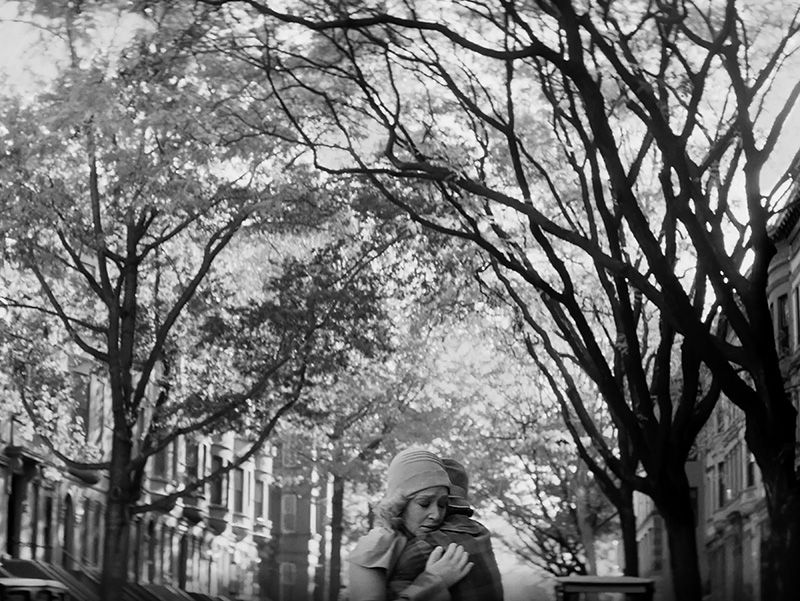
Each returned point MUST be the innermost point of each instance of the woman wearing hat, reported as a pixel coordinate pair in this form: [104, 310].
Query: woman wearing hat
[483, 583]
[414, 505]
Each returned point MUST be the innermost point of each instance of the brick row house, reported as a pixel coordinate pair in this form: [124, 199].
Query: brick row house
[248, 536]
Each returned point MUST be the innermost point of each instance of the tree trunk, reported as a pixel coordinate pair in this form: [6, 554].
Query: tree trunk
[585, 528]
[780, 577]
[337, 528]
[117, 520]
[321, 578]
[622, 498]
[675, 506]
[627, 524]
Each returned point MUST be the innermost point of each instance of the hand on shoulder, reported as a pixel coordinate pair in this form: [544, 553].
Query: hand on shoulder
[450, 564]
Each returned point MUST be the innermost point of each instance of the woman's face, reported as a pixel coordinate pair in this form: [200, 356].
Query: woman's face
[425, 510]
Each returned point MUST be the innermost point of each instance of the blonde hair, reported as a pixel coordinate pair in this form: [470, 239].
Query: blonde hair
[390, 510]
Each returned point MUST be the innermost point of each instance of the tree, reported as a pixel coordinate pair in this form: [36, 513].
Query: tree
[547, 495]
[366, 419]
[378, 405]
[506, 427]
[558, 135]
[128, 224]
[674, 378]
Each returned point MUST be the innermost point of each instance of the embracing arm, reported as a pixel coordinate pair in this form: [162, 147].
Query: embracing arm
[426, 587]
[443, 569]
[367, 584]
[374, 558]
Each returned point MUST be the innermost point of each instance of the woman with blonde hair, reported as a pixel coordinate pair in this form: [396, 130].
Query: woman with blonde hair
[417, 489]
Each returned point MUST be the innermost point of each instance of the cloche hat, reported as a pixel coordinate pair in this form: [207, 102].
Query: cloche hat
[413, 470]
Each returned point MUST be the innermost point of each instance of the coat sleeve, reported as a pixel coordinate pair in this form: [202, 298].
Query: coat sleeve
[374, 558]
[367, 584]
[426, 587]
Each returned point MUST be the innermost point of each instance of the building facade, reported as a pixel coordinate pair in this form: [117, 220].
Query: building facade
[248, 536]
[736, 524]
[298, 513]
[731, 509]
[735, 515]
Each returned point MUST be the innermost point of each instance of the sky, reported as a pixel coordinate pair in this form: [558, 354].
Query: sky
[33, 53]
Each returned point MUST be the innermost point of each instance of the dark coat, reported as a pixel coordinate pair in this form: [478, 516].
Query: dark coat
[483, 581]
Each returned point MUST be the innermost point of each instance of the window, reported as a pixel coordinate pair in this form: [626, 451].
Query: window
[162, 555]
[288, 573]
[238, 490]
[720, 485]
[175, 466]
[727, 476]
[796, 403]
[288, 513]
[169, 554]
[709, 504]
[67, 544]
[151, 551]
[34, 508]
[274, 505]
[184, 548]
[97, 532]
[751, 470]
[797, 317]
[135, 566]
[86, 531]
[289, 452]
[258, 500]
[48, 529]
[287, 576]
[219, 484]
[658, 544]
[160, 462]
[736, 469]
[783, 323]
[192, 459]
